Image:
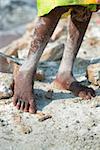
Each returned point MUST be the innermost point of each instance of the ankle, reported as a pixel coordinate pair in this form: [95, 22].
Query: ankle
[64, 81]
[62, 77]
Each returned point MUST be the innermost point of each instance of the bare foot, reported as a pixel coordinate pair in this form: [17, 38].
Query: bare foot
[74, 86]
[23, 97]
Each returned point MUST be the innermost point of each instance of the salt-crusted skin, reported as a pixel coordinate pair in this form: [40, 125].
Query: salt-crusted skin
[23, 97]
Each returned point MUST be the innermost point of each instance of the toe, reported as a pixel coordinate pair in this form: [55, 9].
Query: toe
[85, 95]
[26, 109]
[18, 104]
[92, 92]
[15, 100]
[88, 96]
[22, 105]
[32, 107]
[82, 94]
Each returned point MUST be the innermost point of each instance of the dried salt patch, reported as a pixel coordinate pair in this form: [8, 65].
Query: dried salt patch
[5, 82]
[2, 88]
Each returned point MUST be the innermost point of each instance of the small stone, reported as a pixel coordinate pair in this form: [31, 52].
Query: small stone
[89, 129]
[26, 129]
[75, 101]
[98, 105]
[1, 120]
[45, 117]
[94, 124]
[3, 123]
[77, 121]
[84, 139]
[40, 75]
[49, 94]
[92, 137]
[85, 52]
[67, 126]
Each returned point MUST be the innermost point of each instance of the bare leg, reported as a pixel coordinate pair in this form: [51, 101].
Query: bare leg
[65, 79]
[23, 97]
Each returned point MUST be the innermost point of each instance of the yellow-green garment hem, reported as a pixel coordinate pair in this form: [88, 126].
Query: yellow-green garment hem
[44, 7]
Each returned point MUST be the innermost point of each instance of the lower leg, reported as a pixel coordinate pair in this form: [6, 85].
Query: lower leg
[23, 97]
[65, 78]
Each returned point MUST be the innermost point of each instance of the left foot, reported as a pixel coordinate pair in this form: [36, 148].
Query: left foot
[23, 97]
[74, 86]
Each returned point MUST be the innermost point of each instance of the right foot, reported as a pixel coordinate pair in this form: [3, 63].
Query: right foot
[74, 86]
[23, 97]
